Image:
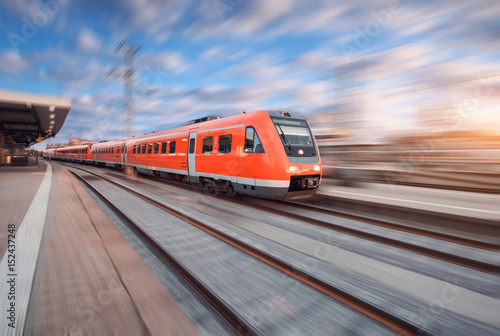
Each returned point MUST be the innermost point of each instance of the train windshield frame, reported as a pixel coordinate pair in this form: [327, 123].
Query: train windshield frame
[295, 133]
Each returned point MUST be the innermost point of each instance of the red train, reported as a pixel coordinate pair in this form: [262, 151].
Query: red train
[269, 154]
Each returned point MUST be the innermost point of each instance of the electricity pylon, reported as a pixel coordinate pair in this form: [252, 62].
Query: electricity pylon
[128, 50]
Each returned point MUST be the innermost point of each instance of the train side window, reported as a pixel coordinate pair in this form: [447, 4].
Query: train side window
[208, 144]
[112, 150]
[171, 149]
[117, 150]
[133, 150]
[225, 143]
[150, 148]
[163, 147]
[157, 147]
[143, 148]
[252, 141]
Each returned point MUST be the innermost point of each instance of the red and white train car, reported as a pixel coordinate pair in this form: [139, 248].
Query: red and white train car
[79, 153]
[108, 153]
[270, 154]
[49, 154]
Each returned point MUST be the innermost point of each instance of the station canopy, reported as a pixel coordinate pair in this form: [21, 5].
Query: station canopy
[27, 118]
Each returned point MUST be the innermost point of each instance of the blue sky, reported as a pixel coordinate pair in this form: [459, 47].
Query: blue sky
[381, 63]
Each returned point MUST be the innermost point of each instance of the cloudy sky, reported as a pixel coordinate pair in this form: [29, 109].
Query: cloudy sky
[377, 66]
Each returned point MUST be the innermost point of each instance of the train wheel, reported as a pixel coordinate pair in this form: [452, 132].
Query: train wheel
[231, 192]
[209, 187]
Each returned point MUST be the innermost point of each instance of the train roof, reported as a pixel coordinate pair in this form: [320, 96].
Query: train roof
[73, 147]
[200, 126]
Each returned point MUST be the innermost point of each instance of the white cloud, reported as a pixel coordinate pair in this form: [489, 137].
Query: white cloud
[12, 63]
[162, 63]
[88, 42]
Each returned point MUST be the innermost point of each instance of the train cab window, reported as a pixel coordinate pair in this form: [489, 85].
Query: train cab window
[225, 143]
[163, 147]
[133, 150]
[143, 148]
[208, 144]
[150, 148]
[171, 149]
[157, 147]
[252, 141]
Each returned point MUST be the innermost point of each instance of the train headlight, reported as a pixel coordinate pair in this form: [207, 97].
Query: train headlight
[301, 152]
[294, 169]
[316, 168]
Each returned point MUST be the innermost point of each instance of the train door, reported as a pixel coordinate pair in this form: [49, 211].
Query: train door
[123, 156]
[192, 158]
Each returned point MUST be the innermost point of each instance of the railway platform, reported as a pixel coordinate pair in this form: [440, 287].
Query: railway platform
[66, 269]
[470, 204]
[466, 214]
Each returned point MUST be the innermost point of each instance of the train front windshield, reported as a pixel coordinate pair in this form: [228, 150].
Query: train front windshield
[295, 135]
[295, 131]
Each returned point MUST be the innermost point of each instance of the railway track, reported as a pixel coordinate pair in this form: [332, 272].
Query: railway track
[236, 322]
[459, 260]
[399, 227]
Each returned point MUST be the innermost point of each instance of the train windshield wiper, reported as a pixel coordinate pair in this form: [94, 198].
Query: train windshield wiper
[284, 138]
